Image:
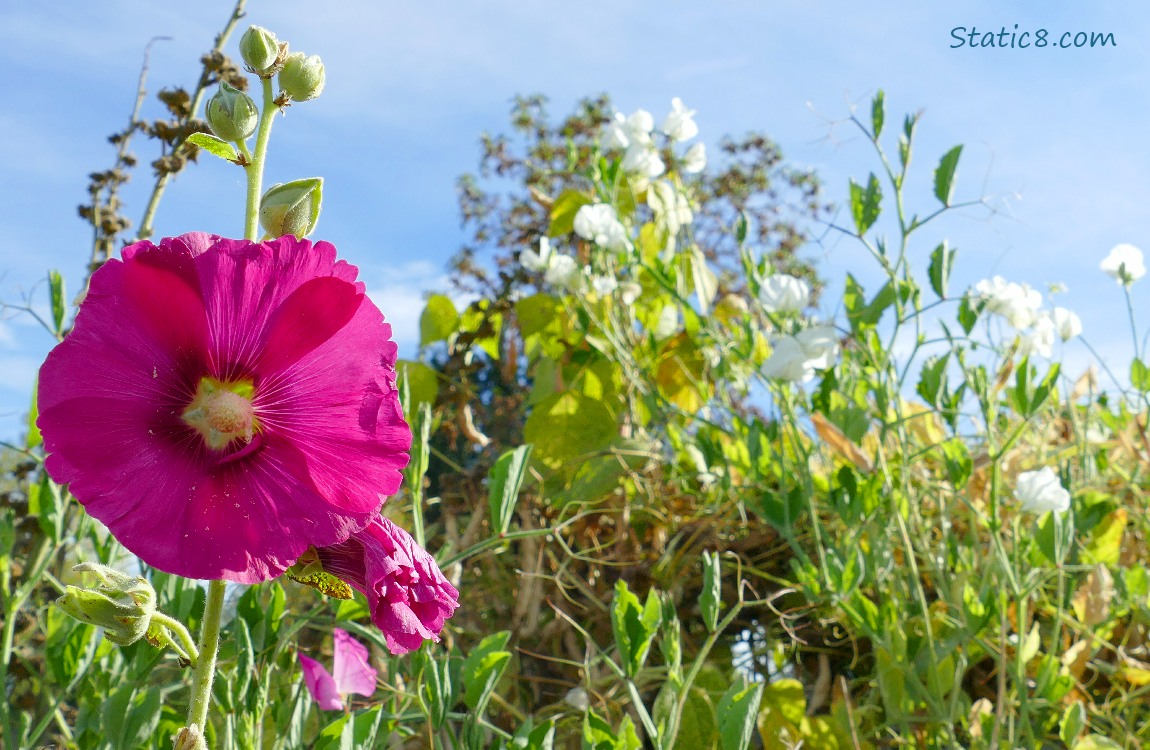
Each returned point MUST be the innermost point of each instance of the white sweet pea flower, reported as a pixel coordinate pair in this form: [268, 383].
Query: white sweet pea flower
[537, 261]
[796, 358]
[577, 698]
[1040, 338]
[632, 130]
[1018, 303]
[695, 160]
[821, 346]
[597, 222]
[788, 361]
[1041, 491]
[680, 124]
[604, 285]
[643, 160]
[1125, 264]
[629, 291]
[783, 293]
[672, 209]
[1066, 323]
[563, 271]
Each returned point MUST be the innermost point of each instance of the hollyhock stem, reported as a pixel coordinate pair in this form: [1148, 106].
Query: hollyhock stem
[255, 169]
[205, 670]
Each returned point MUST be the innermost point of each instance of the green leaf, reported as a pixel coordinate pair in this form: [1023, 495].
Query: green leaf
[482, 669]
[503, 484]
[1095, 742]
[438, 688]
[944, 175]
[865, 203]
[56, 293]
[563, 212]
[1140, 375]
[439, 320]
[712, 592]
[738, 710]
[419, 382]
[566, 426]
[968, 311]
[741, 226]
[214, 146]
[877, 115]
[1072, 723]
[531, 737]
[941, 262]
[33, 438]
[634, 626]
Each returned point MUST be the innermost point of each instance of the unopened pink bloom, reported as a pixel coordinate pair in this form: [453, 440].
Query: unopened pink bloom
[350, 673]
[408, 596]
[222, 405]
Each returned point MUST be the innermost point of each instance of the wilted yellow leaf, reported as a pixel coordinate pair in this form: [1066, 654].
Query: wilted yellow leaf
[840, 443]
[1091, 601]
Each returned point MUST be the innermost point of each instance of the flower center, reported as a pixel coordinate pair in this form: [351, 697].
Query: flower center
[222, 412]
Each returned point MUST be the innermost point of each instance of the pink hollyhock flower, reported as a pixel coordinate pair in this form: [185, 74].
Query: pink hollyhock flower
[352, 673]
[408, 596]
[222, 405]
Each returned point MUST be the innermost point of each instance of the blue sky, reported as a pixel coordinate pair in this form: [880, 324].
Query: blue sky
[1055, 138]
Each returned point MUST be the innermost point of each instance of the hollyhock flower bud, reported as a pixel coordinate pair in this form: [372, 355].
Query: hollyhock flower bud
[189, 738]
[262, 51]
[123, 605]
[1041, 491]
[232, 114]
[407, 594]
[292, 207]
[302, 77]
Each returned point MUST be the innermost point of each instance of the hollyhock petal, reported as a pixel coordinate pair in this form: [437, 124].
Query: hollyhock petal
[320, 684]
[127, 406]
[350, 667]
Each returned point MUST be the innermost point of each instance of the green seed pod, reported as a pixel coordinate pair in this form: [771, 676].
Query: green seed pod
[232, 114]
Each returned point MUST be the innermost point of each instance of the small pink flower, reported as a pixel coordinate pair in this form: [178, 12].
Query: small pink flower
[223, 405]
[352, 673]
[408, 595]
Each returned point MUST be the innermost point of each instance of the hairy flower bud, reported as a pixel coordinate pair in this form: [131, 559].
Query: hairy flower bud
[123, 605]
[232, 114]
[189, 738]
[292, 207]
[262, 51]
[302, 77]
